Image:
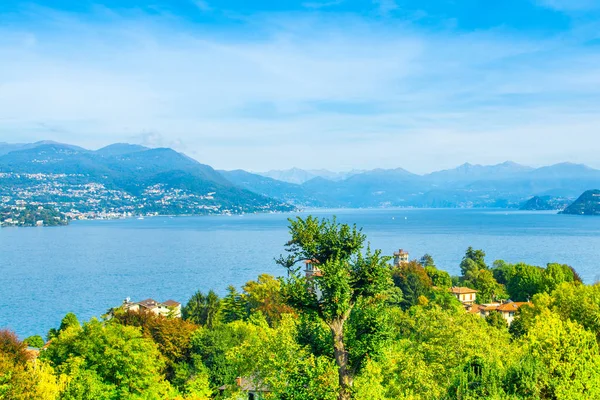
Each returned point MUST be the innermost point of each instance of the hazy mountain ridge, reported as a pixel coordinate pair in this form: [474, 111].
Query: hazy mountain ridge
[503, 185]
[299, 176]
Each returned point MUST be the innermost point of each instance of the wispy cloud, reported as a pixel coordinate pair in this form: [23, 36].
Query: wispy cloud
[569, 5]
[323, 4]
[386, 6]
[202, 5]
[301, 89]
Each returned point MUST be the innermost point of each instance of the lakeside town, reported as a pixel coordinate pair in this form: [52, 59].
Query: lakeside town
[75, 200]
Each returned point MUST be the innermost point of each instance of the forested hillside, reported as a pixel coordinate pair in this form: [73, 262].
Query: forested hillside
[120, 180]
[587, 204]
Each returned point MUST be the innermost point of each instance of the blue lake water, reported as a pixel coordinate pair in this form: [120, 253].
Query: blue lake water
[90, 266]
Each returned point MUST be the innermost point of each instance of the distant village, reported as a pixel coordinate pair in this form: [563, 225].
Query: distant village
[75, 200]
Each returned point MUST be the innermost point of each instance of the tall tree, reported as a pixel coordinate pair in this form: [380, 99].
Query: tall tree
[265, 295]
[234, 306]
[348, 278]
[202, 309]
[473, 259]
[414, 282]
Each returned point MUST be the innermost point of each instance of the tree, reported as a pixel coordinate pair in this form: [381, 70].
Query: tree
[171, 335]
[489, 290]
[439, 278]
[273, 358]
[575, 302]
[427, 261]
[210, 348]
[68, 321]
[525, 281]
[348, 278]
[20, 378]
[495, 319]
[414, 282]
[12, 347]
[502, 271]
[35, 341]
[202, 309]
[560, 360]
[433, 346]
[109, 358]
[476, 274]
[555, 274]
[265, 295]
[234, 306]
[473, 259]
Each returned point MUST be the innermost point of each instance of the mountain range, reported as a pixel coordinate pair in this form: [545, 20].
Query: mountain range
[503, 185]
[166, 177]
[300, 176]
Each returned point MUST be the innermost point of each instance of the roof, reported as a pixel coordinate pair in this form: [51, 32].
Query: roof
[148, 303]
[508, 307]
[400, 252]
[490, 307]
[462, 290]
[474, 309]
[171, 303]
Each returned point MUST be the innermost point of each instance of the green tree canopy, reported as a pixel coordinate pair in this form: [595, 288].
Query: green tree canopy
[202, 309]
[414, 282]
[35, 341]
[439, 278]
[112, 359]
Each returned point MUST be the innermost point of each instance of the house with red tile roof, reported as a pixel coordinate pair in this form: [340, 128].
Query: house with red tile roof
[465, 295]
[508, 309]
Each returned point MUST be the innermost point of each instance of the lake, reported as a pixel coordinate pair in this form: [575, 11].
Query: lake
[90, 266]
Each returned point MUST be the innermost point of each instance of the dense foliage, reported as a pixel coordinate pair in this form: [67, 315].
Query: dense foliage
[360, 329]
[32, 216]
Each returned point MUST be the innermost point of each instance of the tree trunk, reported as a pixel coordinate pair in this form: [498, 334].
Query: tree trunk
[341, 358]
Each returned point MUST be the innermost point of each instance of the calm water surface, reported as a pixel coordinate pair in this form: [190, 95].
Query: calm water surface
[89, 266]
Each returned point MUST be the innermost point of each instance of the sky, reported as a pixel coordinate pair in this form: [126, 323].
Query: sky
[337, 84]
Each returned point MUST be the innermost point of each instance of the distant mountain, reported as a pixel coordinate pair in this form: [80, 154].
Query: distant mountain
[470, 172]
[565, 170]
[537, 203]
[123, 178]
[293, 175]
[502, 185]
[120, 149]
[300, 176]
[283, 191]
[6, 148]
[587, 204]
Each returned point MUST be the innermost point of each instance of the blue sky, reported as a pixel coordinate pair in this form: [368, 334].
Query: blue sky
[335, 84]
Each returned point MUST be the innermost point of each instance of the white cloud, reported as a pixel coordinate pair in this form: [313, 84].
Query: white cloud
[302, 90]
